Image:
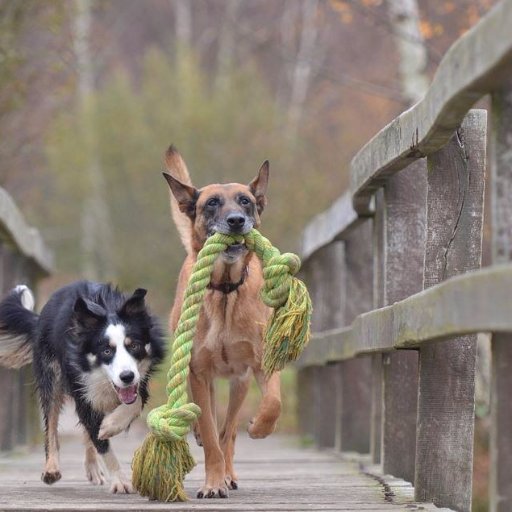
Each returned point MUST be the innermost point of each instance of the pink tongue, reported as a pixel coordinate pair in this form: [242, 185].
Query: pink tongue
[127, 395]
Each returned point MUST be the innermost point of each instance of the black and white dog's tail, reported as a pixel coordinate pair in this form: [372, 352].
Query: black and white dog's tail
[18, 324]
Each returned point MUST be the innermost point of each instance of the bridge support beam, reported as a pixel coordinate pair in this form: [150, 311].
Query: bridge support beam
[501, 407]
[444, 447]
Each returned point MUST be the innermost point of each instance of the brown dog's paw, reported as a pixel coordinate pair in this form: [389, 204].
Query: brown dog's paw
[231, 482]
[265, 422]
[50, 477]
[213, 492]
[260, 427]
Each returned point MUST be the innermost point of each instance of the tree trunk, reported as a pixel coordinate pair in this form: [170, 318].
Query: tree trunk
[96, 233]
[404, 16]
[303, 71]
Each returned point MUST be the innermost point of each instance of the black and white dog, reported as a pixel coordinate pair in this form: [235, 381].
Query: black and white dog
[94, 344]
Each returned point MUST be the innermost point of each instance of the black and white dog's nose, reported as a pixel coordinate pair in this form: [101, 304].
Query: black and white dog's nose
[235, 221]
[127, 376]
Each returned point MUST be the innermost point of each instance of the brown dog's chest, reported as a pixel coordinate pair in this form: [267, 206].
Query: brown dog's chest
[229, 335]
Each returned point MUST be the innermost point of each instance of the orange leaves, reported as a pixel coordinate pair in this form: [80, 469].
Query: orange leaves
[429, 30]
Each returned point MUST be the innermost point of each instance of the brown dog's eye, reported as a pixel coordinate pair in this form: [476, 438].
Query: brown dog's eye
[213, 202]
[244, 201]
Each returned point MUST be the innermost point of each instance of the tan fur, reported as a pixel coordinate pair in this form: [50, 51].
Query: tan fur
[177, 167]
[229, 338]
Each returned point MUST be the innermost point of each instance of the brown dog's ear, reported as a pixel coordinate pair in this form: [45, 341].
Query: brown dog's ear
[185, 195]
[258, 186]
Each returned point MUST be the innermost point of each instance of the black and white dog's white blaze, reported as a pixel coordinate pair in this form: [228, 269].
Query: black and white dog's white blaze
[95, 344]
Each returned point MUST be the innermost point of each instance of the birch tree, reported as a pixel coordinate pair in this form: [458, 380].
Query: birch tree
[96, 234]
[404, 17]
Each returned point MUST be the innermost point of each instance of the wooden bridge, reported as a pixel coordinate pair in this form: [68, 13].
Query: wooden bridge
[393, 268]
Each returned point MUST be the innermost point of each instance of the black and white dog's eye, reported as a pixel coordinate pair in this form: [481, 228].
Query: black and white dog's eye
[244, 201]
[107, 352]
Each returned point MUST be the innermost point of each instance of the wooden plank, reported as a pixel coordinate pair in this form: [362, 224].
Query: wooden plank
[356, 374]
[14, 229]
[305, 388]
[477, 64]
[405, 200]
[379, 255]
[501, 408]
[325, 274]
[446, 401]
[275, 474]
[423, 318]
[335, 223]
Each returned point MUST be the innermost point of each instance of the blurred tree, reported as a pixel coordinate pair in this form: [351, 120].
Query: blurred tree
[405, 19]
[96, 231]
[133, 127]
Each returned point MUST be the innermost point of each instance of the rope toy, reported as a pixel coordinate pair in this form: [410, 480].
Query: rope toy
[161, 463]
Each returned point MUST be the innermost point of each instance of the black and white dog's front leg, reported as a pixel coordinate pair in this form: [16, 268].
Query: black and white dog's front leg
[119, 419]
[119, 482]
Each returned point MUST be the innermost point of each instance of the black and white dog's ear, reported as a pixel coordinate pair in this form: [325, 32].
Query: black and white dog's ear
[135, 304]
[88, 313]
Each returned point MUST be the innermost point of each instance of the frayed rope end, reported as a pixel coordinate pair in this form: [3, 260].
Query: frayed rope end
[288, 329]
[159, 468]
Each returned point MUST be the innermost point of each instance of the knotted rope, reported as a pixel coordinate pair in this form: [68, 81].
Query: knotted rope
[161, 463]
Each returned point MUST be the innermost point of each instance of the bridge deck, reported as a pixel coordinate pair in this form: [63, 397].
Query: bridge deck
[275, 475]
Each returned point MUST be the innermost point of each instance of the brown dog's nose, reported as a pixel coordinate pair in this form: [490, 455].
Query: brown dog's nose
[235, 220]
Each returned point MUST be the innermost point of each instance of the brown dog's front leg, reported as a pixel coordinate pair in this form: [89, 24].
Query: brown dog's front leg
[214, 485]
[238, 388]
[264, 423]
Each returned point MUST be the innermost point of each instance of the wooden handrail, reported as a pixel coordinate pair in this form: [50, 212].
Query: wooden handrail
[478, 63]
[457, 306]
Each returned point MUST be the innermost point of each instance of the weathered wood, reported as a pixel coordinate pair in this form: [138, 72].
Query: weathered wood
[405, 203]
[356, 374]
[478, 63]
[325, 273]
[28, 240]
[444, 447]
[335, 223]
[305, 408]
[423, 318]
[501, 408]
[379, 254]
[275, 474]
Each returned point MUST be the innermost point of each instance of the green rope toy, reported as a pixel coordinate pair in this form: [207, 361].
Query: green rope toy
[161, 463]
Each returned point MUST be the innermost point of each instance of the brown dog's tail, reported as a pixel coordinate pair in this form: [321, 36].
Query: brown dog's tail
[178, 169]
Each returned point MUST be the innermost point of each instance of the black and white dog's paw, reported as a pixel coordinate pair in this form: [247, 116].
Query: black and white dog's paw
[111, 426]
[121, 485]
[94, 473]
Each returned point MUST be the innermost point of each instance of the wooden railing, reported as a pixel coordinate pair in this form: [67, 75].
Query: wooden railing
[24, 258]
[397, 381]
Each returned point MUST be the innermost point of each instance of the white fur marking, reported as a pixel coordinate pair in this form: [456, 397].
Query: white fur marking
[26, 296]
[123, 360]
[99, 392]
[92, 359]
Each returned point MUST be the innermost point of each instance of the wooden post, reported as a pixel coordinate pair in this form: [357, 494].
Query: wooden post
[379, 242]
[501, 407]
[353, 433]
[405, 214]
[444, 447]
[325, 271]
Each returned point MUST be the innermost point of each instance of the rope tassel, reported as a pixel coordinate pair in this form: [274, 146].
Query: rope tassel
[162, 462]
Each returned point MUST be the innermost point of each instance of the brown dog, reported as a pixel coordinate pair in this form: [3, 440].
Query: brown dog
[229, 338]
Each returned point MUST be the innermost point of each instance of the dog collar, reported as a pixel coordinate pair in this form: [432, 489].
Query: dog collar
[228, 287]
